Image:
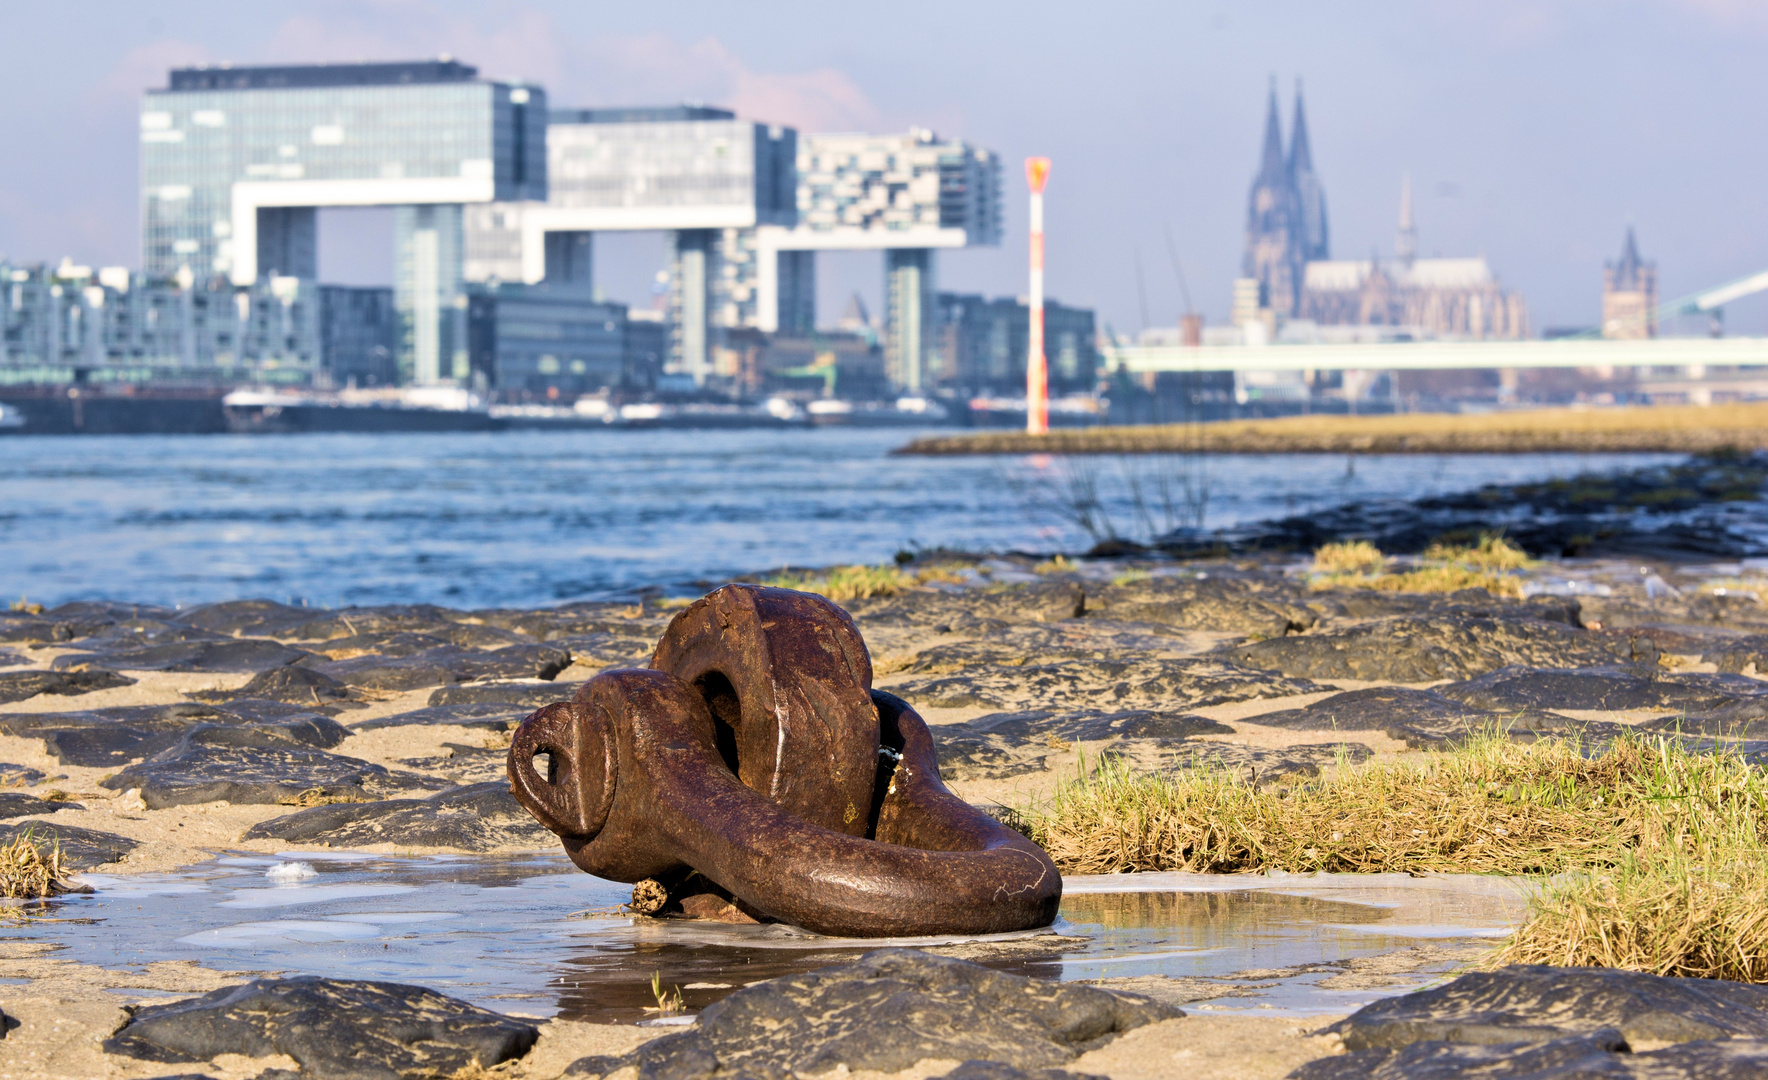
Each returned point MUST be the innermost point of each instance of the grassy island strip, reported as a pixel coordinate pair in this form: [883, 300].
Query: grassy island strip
[1682, 429]
[1651, 854]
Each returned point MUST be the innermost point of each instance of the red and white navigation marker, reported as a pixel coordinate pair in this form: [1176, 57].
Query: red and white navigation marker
[1037, 372]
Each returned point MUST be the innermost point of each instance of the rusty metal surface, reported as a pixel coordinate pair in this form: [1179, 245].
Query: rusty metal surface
[755, 755]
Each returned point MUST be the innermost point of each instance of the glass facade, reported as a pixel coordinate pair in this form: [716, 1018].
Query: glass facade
[234, 162]
[197, 144]
[899, 183]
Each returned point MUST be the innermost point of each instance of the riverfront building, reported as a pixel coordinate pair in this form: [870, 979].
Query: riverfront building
[236, 162]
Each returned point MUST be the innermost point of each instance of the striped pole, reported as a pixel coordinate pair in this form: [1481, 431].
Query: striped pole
[1037, 372]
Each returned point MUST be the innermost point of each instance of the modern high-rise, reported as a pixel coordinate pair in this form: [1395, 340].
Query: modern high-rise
[237, 161]
[691, 170]
[906, 195]
[749, 205]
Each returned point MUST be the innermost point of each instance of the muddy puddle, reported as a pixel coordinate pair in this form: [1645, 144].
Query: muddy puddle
[533, 935]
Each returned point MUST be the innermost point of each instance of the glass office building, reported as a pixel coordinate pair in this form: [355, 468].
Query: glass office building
[236, 161]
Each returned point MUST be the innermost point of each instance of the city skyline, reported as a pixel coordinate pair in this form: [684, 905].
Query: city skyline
[1522, 142]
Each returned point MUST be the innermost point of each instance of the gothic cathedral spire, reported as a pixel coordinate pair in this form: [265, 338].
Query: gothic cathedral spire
[1271, 253]
[1286, 212]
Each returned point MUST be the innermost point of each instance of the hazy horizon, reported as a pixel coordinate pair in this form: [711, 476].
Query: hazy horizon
[1533, 132]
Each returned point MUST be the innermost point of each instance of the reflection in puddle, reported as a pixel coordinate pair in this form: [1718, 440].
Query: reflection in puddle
[500, 931]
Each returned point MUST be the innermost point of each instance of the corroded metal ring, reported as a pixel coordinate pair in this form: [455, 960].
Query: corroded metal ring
[786, 677]
[641, 783]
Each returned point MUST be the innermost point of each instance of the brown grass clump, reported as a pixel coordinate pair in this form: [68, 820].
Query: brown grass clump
[29, 871]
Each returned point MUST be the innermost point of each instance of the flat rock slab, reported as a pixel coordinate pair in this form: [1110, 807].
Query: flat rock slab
[447, 664]
[18, 775]
[1732, 697]
[973, 609]
[529, 696]
[1268, 766]
[492, 716]
[16, 804]
[103, 738]
[20, 685]
[1003, 745]
[293, 684]
[337, 1029]
[81, 849]
[1425, 719]
[1537, 1003]
[1425, 648]
[1206, 602]
[255, 775]
[885, 1012]
[478, 817]
[228, 655]
[1603, 1056]
[1160, 685]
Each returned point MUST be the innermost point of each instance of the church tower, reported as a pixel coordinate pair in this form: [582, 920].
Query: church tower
[1310, 200]
[1629, 294]
[1273, 249]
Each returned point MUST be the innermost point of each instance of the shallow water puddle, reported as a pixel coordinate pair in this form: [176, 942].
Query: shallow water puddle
[533, 935]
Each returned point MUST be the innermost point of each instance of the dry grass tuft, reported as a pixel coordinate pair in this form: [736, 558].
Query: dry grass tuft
[1659, 850]
[1493, 552]
[29, 871]
[1349, 557]
[1670, 914]
[1489, 806]
[843, 583]
[1358, 564]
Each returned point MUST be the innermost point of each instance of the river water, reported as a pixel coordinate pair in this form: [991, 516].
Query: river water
[534, 518]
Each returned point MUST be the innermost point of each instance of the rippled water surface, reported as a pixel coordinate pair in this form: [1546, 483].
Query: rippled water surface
[534, 518]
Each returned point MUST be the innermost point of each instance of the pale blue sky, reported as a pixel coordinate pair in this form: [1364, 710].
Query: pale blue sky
[1533, 131]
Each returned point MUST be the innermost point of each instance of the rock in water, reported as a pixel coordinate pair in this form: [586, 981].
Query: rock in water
[337, 1029]
[1529, 1003]
[886, 1011]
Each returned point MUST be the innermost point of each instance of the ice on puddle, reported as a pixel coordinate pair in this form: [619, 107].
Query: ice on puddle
[291, 871]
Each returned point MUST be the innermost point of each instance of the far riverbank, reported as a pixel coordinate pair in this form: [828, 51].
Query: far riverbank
[1662, 429]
